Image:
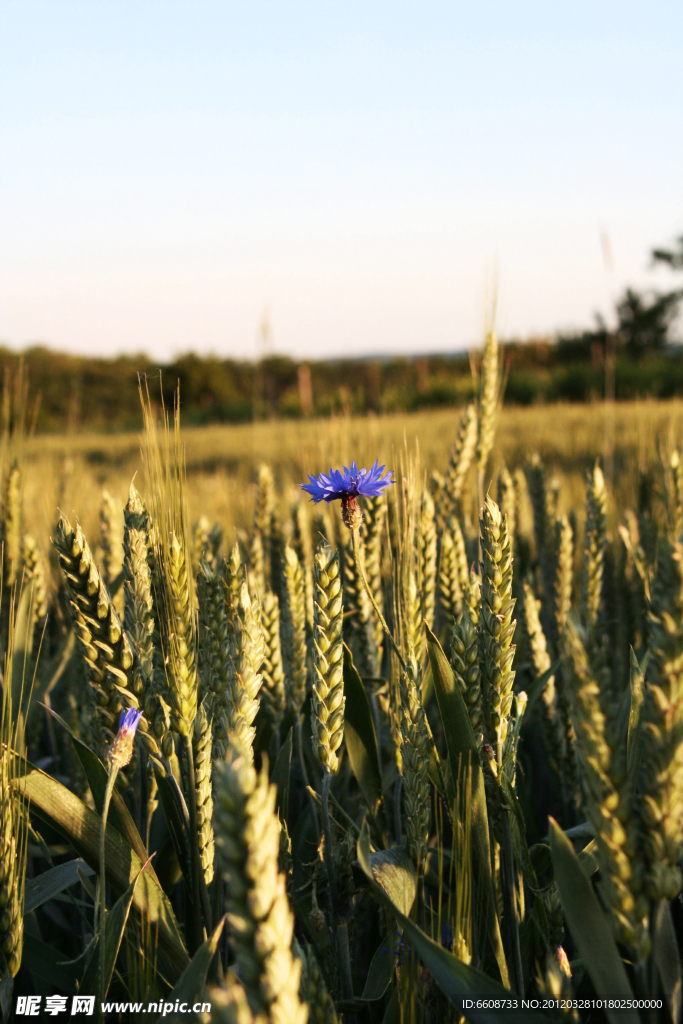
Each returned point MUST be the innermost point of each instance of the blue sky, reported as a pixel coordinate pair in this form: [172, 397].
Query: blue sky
[359, 172]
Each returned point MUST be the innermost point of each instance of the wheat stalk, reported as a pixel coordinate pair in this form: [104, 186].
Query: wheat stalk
[542, 508]
[450, 592]
[273, 693]
[264, 508]
[100, 635]
[215, 639]
[313, 990]
[247, 837]
[489, 393]
[111, 540]
[552, 722]
[414, 637]
[606, 807]
[496, 627]
[507, 501]
[358, 611]
[138, 617]
[34, 572]
[661, 774]
[327, 702]
[374, 518]
[12, 527]
[181, 627]
[427, 544]
[595, 540]
[294, 622]
[676, 500]
[14, 822]
[201, 748]
[415, 751]
[461, 457]
[244, 676]
[466, 668]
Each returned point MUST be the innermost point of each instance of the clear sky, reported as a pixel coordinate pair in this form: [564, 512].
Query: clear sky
[172, 170]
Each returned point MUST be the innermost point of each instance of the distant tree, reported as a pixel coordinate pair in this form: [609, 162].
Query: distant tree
[645, 324]
[672, 257]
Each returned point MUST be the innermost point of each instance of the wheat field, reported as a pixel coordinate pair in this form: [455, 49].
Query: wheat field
[415, 755]
[71, 471]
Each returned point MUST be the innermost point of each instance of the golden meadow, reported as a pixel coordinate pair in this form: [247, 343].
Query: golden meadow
[70, 471]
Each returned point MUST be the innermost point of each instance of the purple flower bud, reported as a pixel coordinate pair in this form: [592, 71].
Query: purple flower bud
[121, 749]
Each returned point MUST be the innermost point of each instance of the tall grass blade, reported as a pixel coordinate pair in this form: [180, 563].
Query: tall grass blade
[359, 734]
[47, 964]
[589, 926]
[117, 919]
[395, 872]
[52, 882]
[191, 984]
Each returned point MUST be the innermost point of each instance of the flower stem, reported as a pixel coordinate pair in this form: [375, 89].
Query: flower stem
[344, 954]
[100, 924]
[355, 532]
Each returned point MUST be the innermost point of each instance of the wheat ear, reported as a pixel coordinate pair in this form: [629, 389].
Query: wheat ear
[466, 669]
[415, 750]
[102, 641]
[595, 540]
[294, 648]
[244, 676]
[327, 702]
[661, 772]
[606, 807]
[496, 627]
[427, 542]
[273, 694]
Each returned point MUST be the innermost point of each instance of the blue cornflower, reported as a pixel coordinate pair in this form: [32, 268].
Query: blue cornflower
[348, 485]
[122, 748]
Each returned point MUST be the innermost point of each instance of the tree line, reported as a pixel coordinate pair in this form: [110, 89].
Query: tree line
[102, 394]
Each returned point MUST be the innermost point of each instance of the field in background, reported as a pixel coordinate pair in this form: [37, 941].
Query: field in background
[70, 471]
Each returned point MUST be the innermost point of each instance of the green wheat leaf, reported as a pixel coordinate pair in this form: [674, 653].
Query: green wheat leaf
[588, 925]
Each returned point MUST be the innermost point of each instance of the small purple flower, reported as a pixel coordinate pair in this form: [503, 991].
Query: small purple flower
[129, 721]
[121, 749]
[348, 485]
